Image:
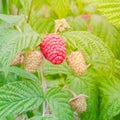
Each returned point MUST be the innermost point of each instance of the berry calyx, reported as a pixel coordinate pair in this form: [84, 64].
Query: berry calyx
[53, 48]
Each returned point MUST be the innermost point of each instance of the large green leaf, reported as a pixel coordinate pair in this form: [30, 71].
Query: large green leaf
[12, 19]
[37, 4]
[77, 23]
[18, 71]
[19, 97]
[108, 8]
[16, 3]
[60, 7]
[46, 117]
[117, 68]
[42, 25]
[95, 51]
[58, 102]
[106, 32]
[116, 117]
[110, 98]
[51, 69]
[9, 117]
[13, 41]
[86, 85]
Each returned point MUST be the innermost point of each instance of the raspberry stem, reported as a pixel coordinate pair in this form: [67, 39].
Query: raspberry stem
[69, 90]
[44, 85]
[29, 14]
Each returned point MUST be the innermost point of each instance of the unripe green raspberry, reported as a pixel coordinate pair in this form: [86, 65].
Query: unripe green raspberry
[32, 61]
[76, 62]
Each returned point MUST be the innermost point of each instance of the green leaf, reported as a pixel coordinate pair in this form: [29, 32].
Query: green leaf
[42, 25]
[107, 32]
[4, 6]
[51, 69]
[108, 8]
[19, 97]
[25, 6]
[60, 7]
[73, 8]
[12, 42]
[97, 1]
[86, 85]
[12, 19]
[46, 117]
[77, 23]
[96, 52]
[20, 72]
[117, 68]
[37, 4]
[58, 102]
[9, 117]
[110, 98]
[16, 3]
[116, 117]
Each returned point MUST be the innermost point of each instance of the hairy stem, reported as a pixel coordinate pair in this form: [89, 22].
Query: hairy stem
[69, 90]
[44, 86]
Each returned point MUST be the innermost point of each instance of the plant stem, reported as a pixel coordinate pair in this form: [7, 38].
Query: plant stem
[29, 14]
[44, 86]
[10, 7]
[4, 6]
[69, 90]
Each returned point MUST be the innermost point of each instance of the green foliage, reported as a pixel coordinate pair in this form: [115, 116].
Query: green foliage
[23, 93]
[42, 25]
[58, 101]
[51, 69]
[77, 23]
[96, 52]
[20, 72]
[19, 97]
[11, 19]
[108, 8]
[13, 41]
[47, 117]
[117, 68]
[60, 7]
[110, 98]
[9, 117]
[86, 85]
[107, 32]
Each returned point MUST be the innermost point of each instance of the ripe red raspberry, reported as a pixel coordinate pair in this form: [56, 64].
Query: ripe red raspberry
[53, 48]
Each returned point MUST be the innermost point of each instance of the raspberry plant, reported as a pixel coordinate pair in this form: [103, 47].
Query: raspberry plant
[41, 77]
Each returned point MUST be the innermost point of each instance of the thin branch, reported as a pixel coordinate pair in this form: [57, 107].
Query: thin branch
[44, 86]
[29, 14]
[69, 90]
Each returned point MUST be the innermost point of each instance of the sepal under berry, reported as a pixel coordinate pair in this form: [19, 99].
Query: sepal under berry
[61, 25]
